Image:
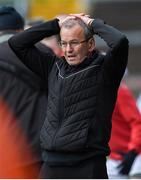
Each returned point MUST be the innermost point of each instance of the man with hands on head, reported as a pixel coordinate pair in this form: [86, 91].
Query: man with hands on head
[82, 90]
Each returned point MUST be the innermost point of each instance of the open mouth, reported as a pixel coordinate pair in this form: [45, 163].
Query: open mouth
[71, 57]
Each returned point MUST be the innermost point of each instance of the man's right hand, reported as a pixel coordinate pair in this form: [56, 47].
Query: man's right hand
[84, 17]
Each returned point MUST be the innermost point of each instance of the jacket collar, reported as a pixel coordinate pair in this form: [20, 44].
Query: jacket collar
[87, 61]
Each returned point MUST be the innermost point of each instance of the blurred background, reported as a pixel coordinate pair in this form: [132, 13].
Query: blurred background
[123, 14]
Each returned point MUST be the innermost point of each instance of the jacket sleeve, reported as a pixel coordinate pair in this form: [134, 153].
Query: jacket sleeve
[23, 44]
[116, 58]
[132, 116]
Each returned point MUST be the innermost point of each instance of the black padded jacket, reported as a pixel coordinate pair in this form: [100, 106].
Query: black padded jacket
[81, 98]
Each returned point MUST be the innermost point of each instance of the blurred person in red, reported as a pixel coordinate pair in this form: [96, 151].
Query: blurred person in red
[14, 147]
[125, 143]
[23, 93]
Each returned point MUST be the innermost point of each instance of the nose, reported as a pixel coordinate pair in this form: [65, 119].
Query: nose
[69, 48]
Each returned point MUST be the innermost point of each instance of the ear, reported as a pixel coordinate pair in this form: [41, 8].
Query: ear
[91, 44]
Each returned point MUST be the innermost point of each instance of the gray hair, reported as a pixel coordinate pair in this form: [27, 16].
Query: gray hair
[73, 22]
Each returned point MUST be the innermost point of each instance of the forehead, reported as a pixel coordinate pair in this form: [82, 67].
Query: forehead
[74, 32]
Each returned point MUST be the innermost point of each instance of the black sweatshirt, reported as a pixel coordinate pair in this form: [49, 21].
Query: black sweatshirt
[51, 68]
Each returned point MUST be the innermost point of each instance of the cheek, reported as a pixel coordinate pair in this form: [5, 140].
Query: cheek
[63, 50]
[83, 52]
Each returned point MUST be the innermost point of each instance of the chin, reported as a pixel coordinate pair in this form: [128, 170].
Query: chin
[73, 63]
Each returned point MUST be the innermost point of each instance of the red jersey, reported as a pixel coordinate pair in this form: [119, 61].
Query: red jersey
[126, 125]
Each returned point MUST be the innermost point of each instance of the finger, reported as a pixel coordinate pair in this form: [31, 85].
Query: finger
[67, 18]
[81, 14]
[87, 15]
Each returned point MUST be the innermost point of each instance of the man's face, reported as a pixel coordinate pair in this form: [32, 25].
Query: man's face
[74, 44]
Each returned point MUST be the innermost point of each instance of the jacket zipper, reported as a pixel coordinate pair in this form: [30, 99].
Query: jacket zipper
[61, 112]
